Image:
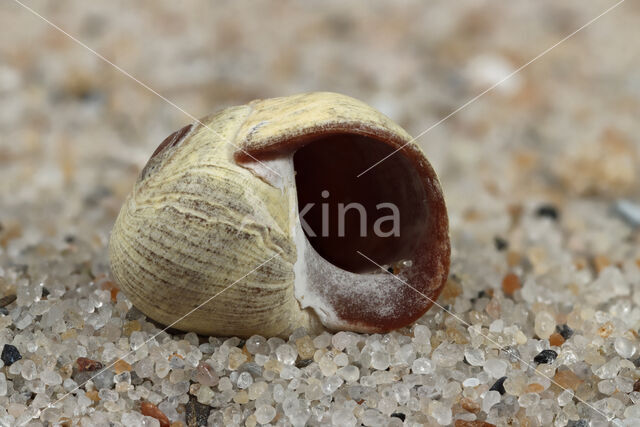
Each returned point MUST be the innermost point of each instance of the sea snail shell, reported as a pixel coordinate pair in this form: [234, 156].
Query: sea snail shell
[220, 197]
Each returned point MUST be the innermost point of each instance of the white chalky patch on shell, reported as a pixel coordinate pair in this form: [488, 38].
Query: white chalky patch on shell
[311, 266]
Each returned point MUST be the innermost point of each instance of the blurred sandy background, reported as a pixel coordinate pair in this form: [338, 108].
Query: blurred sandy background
[75, 131]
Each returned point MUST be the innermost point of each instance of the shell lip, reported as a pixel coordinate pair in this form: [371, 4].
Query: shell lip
[290, 143]
[416, 288]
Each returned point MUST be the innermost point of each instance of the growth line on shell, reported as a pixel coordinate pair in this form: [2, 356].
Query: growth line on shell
[144, 85]
[489, 89]
[154, 336]
[464, 322]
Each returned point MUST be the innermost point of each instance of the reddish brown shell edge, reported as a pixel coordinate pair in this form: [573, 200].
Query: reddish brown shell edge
[169, 142]
[426, 278]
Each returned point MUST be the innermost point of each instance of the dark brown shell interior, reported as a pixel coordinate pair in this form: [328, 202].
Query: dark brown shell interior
[330, 161]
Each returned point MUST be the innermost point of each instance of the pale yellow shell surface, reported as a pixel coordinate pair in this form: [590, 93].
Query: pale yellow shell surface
[197, 225]
[197, 222]
[281, 119]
